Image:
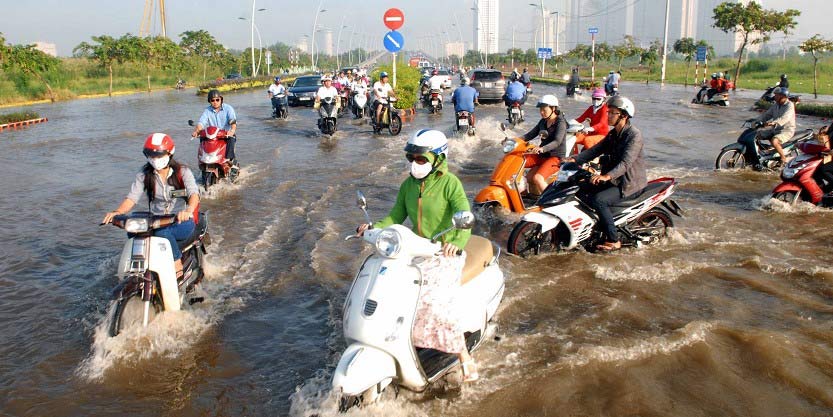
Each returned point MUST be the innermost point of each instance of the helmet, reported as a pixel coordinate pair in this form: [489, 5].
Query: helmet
[547, 100]
[326, 78]
[622, 103]
[781, 90]
[719, 75]
[598, 92]
[435, 72]
[158, 144]
[783, 75]
[214, 94]
[714, 75]
[465, 81]
[277, 79]
[427, 140]
[611, 72]
[382, 75]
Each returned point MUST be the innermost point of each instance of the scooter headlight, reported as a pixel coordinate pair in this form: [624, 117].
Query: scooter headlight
[388, 243]
[136, 225]
[509, 145]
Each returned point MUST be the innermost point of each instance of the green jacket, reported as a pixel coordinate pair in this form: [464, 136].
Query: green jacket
[430, 203]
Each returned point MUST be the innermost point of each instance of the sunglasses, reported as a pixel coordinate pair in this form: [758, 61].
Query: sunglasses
[216, 99]
[418, 158]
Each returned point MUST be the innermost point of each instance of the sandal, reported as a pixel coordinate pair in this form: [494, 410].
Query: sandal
[609, 246]
[470, 371]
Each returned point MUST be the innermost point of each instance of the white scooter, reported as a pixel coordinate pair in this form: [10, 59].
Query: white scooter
[359, 102]
[148, 283]
[380, 308]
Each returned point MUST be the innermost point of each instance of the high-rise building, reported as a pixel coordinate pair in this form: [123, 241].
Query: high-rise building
[486, 26]
[328, 42]
[455, 48]
[303, 44]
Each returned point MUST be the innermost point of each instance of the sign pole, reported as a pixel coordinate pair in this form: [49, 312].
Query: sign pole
[394, 69]
[593, 58]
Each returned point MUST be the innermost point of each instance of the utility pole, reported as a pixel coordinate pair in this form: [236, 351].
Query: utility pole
[665, 41]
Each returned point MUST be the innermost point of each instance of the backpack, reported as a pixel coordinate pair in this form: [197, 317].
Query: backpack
[174, 180]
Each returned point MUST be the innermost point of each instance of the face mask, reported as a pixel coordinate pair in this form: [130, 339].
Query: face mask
[159, 163]
[420, 171]
[597, 103]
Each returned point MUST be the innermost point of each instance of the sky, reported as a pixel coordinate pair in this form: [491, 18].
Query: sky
[67, 23]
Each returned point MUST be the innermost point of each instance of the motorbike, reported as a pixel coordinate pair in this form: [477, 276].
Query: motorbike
[212, 157]
[327, 115]
[435, 101]
[717, 99]
[508, 187]
[566, 221]
[528, 88]
[798, 179]
[359, 104]
[344, 95]
[279, 107]
[147, 277]
[516, 113]
[757, 153]
[769, 97]
[382, 302]
[180, 84]
[464, 123]
[390, 118]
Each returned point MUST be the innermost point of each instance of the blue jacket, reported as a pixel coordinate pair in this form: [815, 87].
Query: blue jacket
[515, 91]
[463, 98]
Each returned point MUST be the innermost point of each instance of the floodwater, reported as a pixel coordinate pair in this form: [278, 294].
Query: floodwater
[730, 316]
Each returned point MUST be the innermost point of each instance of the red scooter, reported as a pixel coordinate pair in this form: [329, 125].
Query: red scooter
[214, 165]
[798, 179]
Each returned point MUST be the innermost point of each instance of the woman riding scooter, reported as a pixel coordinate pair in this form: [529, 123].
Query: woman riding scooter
[170, 188]
[429, 197]
[546, 158]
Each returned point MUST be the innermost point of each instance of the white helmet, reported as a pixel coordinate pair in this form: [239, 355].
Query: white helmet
[326, 78]
[427, 140]
[547, 100]
[465, 81]
[622, 103]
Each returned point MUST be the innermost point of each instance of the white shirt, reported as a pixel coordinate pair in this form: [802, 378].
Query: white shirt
[277, 90]
[436, 82]
[381, 91]
[324, 92]
[360, 88]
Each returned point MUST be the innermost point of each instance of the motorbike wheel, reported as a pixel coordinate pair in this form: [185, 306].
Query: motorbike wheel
[730, 159]
[395, 125]
[652, 226]
[208, 179]
[284, 114]
[128, 313]
[789, 197]
[527, 239]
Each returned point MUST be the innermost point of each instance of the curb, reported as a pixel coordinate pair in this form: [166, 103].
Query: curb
[23, 123]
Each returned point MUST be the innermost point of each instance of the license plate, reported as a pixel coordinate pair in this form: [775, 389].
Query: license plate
[516, 111]
[303, 98]
[487, 85]
[433, 102]
[462, 122]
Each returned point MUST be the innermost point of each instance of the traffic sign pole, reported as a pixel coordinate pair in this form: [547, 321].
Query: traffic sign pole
[593, 58]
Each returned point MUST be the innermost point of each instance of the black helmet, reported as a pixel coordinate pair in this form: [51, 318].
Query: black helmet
[783, 76]
[214, 93]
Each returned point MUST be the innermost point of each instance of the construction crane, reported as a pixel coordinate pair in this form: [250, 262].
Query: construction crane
[147, 18]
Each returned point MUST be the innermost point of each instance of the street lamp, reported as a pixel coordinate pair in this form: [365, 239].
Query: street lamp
[256, 69]
[314, 28]
[476, 9]
[556, 39]
[460, 33]
[253, 36]
[543, 60]
[338, 42]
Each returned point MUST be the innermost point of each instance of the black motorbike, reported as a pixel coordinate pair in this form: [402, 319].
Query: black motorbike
[390, 118]
[769, 97]
[327, 119]
[279, 108]
[751, 151]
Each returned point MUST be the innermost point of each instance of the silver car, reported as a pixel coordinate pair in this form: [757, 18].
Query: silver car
[489, 83]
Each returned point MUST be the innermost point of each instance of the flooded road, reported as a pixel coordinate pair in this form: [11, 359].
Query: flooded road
[730, 316]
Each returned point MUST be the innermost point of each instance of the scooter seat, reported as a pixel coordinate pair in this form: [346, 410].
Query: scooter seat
[479, 253]
[651, 189]
[802, 135]
[199, 230]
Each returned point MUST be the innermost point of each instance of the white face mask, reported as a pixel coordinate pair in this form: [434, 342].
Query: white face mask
[597, 103]
[420, 171]
[159, 163]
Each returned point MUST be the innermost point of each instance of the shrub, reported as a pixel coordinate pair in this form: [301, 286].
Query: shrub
[407, 83]
[756, 65]
[18, 117]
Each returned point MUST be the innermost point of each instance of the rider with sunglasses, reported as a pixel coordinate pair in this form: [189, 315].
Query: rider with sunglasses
[223, 116]
[429, 197]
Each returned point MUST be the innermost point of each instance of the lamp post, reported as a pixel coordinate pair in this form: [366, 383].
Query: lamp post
[460, 33]
[256, 69]
[338, 42]
[556, 39]
[350, 45]
[314, 28]
[543, 25]
[253, 28]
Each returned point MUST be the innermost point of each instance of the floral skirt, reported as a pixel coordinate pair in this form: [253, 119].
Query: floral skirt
[436, 325]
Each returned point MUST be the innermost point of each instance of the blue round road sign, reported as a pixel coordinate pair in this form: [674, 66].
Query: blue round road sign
[394, 41]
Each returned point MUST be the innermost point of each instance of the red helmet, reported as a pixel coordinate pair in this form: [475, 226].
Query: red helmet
[157, 145]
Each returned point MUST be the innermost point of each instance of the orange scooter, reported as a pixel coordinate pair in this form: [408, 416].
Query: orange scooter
[508, 187]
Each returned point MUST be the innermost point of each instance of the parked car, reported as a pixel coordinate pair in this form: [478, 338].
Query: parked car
[445, 73]
[489, 83]
[302, 92]
[234, 76]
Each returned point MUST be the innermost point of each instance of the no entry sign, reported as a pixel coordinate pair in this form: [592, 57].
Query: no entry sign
[394, 18]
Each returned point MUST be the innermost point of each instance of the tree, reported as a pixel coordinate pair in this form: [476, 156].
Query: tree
[649, 56]
[753, 23]
[200, 44]
[816, 45]
[31, 61]
[160, 52]
[107, 51]
[687, 49]
[624, 50]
